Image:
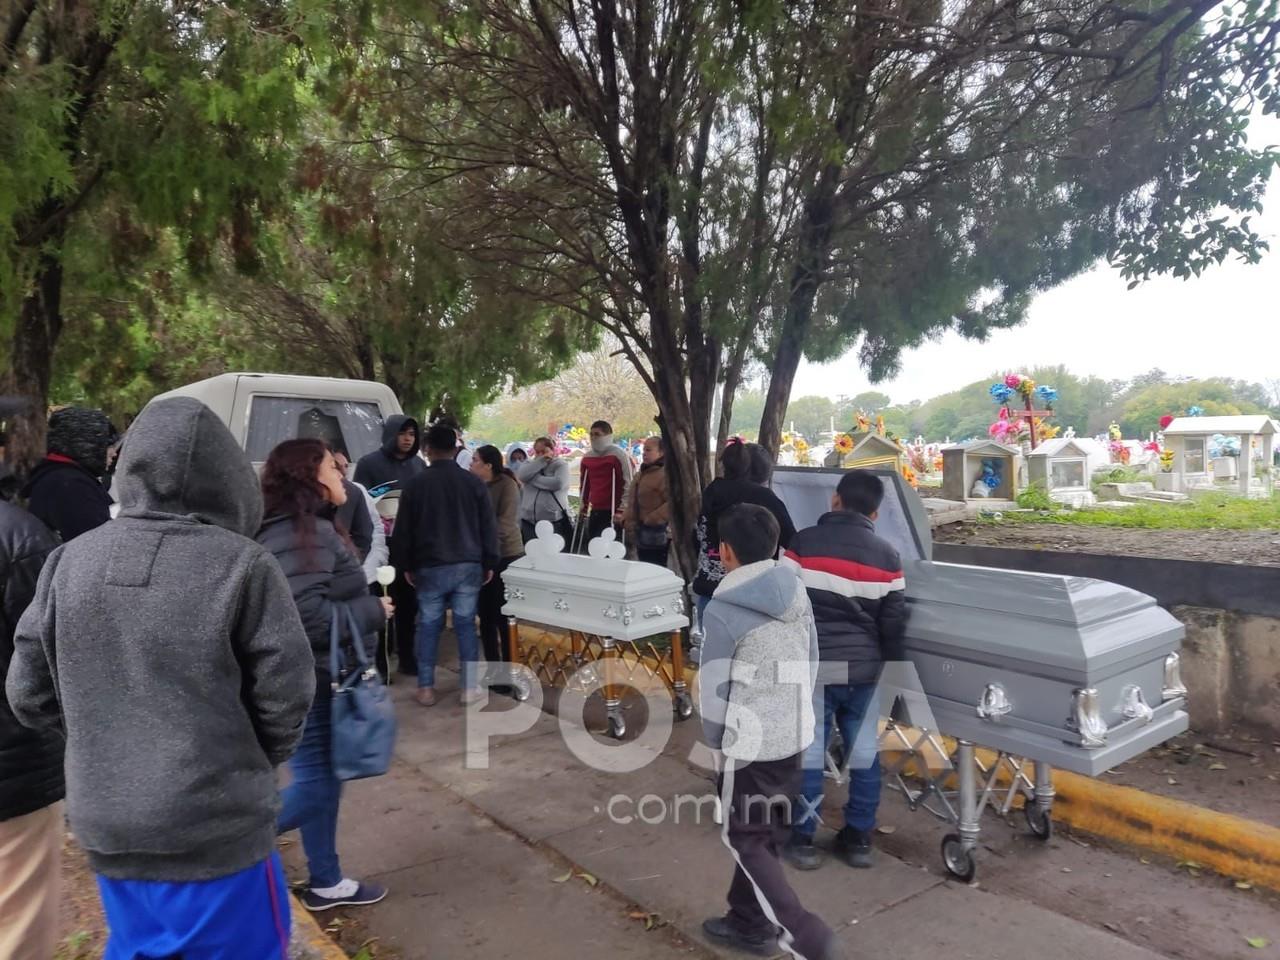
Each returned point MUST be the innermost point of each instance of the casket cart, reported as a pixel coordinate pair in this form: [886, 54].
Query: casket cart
[1044, 671]
[609, 607]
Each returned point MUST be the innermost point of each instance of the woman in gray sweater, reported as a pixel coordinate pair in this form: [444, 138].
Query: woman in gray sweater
[545, 493]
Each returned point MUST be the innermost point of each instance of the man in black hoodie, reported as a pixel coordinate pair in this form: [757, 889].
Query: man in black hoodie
[383, 471]
[397, 462]
[31, 784]
[65, 490]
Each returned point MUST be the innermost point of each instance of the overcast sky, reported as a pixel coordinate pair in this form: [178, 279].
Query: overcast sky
[1224, 323]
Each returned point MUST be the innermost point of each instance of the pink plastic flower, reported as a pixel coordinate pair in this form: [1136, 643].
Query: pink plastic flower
[1013, 381]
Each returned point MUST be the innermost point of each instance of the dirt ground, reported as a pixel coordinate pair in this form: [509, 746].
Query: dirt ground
[84, 932]
[1246, 547]
[1237, 772]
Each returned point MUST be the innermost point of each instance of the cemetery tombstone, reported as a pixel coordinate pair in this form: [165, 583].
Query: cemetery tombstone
[1192, 441]
[1062, 467]
[981, 470]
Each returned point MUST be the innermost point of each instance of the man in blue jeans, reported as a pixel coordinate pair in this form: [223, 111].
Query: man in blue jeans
[857, 590]
[447, 542]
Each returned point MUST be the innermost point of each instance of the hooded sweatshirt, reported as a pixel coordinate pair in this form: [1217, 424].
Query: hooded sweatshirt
[603, 476]
[759, 665]
[388, 466]
[64, 490]
[167, 648]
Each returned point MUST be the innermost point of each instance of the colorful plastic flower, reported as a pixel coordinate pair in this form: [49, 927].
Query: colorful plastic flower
[1046, 395]
[1013, 381]
[1001, 392]
[909, 475]
[844, 444]
[1194, 411]
[1026, 386]
[1166, 420]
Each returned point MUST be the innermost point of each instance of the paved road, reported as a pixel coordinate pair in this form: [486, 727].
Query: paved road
[472, 854]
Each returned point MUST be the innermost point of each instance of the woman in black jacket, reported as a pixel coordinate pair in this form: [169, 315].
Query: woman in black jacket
[301, 488]
[744, 475]
[31, 783]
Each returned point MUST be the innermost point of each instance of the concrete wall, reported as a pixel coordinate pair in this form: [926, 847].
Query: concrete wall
[1231, 654]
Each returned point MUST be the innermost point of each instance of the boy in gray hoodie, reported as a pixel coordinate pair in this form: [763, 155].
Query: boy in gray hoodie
[166, 648]
[760, 657]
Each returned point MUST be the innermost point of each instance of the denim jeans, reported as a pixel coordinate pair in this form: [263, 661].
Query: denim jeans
[854, 710]
[310, 802]
[454, 586]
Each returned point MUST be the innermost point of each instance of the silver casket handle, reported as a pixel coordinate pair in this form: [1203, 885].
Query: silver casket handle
[994, 705]
[1086, 715]
[1135, 705]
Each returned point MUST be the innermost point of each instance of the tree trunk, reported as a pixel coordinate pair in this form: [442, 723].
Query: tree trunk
[31, 368]
[787, 356]
[732, 382]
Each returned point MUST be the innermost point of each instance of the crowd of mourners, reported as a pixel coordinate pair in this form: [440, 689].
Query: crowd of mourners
[177, 625]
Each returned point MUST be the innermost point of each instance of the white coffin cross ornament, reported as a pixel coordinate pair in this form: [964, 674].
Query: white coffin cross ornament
[606, 546]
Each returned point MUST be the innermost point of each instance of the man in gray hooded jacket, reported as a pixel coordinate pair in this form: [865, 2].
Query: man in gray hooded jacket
[759, 666]
[168, 650]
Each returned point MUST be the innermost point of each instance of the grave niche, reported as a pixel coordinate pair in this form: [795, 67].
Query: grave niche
[1062, 468]
[871, 451]
[981, 470]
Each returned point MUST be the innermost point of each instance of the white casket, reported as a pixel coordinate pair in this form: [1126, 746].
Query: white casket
[602, 595]
[599, 594]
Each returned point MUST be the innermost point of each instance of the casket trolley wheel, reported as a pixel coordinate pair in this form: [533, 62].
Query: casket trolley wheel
[617, 726]
[1039, 820]
[958, 859]
[683, 706]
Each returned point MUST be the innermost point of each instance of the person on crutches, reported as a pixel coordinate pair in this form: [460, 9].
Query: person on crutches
[604, 474]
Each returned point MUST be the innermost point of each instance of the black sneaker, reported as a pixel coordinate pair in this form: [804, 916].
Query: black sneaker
[719, 930]
[854, 848]
[801, 853]
[366, 894]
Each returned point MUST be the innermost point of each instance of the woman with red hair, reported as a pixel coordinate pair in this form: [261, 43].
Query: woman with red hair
[301, 490]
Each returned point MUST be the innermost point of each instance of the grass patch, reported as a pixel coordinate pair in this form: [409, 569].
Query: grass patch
[1205, 511]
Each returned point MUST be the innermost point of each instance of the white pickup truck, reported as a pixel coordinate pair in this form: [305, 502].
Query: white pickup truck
[264, 409]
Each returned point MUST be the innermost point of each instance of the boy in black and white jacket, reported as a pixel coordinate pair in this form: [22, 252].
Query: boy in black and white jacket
[856, 585]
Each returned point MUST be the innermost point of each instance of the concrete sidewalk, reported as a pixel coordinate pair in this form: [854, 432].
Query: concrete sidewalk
[472, 855]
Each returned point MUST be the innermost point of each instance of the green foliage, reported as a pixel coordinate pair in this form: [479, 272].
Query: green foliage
[1140, 411]
[1083, 403]
[1206, 511]
[1120, 474]
[1036, 497]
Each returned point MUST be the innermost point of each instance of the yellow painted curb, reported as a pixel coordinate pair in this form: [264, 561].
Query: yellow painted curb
[307, 931]
[1235, 847]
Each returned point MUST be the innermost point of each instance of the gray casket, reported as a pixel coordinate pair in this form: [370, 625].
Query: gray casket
[1064, 672]
[1077, 673]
